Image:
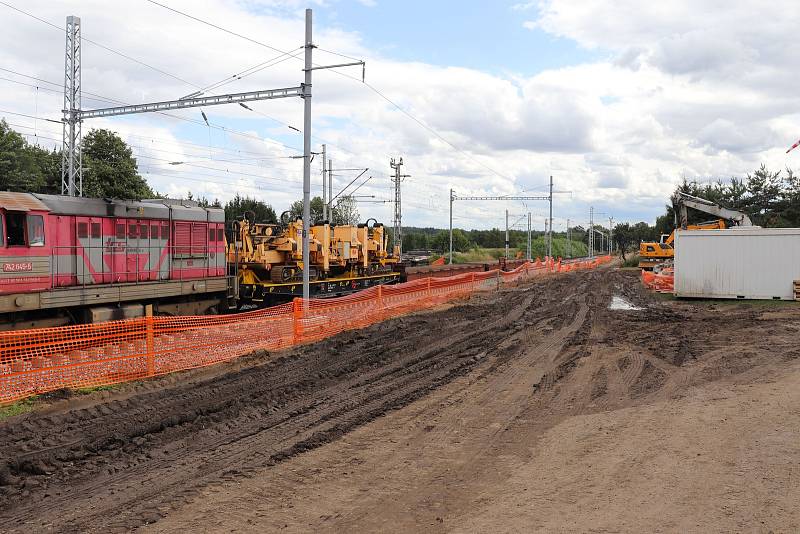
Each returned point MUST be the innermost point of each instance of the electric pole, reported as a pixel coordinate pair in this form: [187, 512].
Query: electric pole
[330, 189]
[546, 234]
[309, 46]
[71, 158]
[324, 187]
[569, 241]
[451, 227]
[506, 235]
[529, 236]
[610, 235]
[398, 212]
[591, 231]
[550, 233]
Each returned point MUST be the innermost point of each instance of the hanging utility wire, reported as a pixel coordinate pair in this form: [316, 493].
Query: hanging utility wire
[370, 86]
[179, 12]
[249, 71]
[104, 47]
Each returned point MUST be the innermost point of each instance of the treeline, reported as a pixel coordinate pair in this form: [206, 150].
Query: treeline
[109, 168]
[439, 240]
[771, 199]
[111, 171]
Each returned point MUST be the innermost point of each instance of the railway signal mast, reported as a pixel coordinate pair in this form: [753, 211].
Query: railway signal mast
[72, 173]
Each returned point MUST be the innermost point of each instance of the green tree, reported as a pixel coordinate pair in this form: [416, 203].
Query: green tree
[110, 168]
[461, 241]
[623, 238]
[346, 212]
[238, 206]
[23, 167]
[296, 210]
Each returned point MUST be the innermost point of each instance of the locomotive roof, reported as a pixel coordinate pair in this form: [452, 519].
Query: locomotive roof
[98, 207]
[20, 202]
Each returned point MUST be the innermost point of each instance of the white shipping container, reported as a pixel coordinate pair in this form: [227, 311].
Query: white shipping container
[737, 263]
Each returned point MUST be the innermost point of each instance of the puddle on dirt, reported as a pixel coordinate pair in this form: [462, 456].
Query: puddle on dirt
[619, 303]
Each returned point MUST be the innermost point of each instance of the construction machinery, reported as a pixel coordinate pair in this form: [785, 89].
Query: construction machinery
[652, 254]
[343, 258]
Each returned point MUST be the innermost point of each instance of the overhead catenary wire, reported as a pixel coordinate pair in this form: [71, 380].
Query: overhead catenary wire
[232, 131]
[100, 45]
[254, 41]
[370, 86]
[170, 115]
[176, 174]
[101, 98]
[252, 70]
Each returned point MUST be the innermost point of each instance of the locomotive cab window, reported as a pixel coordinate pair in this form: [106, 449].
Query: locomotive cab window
[15, 229]
[35, 230]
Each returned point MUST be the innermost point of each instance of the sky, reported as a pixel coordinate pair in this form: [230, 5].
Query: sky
[618, 101]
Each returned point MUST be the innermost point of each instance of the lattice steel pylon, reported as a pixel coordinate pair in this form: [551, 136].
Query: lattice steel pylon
[397, 235]
[71, 164]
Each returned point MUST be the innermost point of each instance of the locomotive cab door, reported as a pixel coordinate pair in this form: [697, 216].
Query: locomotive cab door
[24, 253]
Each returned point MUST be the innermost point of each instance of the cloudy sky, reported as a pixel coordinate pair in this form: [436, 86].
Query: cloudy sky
[618, 101]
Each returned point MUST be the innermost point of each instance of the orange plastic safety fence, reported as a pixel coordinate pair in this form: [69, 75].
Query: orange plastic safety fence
[41, 360]
[663, 282]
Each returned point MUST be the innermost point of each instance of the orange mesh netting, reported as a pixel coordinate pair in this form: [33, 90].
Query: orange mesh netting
[45, 359]
[663, 282]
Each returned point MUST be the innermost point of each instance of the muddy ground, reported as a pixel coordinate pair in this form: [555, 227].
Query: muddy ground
[535, 408]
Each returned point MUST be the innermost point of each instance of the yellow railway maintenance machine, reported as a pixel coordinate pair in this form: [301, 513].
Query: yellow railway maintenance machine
[343, 259]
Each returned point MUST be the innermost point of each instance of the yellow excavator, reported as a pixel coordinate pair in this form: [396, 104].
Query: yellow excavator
[652, 253]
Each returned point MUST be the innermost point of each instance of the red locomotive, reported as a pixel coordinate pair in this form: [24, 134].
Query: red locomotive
[67, 259]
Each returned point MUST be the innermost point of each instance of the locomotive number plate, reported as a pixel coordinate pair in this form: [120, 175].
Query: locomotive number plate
[17, 267]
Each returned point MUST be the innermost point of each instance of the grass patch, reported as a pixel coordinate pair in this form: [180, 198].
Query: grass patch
[538, 250]
[17, 408]
[631, 261]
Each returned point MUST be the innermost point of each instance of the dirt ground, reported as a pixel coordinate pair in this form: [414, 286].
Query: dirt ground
[537, 408]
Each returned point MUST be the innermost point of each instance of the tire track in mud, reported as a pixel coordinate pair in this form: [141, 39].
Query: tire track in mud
[123, 463]
[499, 393]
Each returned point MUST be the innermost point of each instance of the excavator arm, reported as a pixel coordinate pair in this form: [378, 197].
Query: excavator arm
[652, 253]
[683, 201]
